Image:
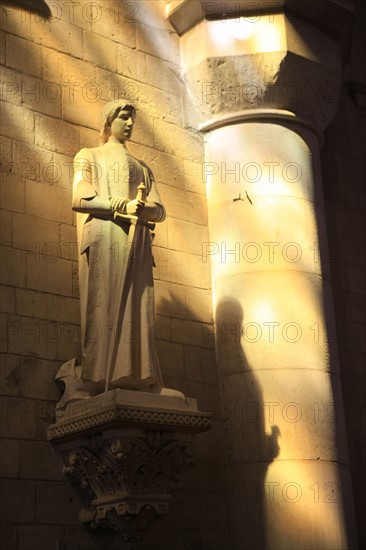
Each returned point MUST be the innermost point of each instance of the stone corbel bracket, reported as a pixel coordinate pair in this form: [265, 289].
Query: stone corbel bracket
[124, 449]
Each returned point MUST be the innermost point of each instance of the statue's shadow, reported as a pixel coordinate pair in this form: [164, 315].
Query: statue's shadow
[221, 502]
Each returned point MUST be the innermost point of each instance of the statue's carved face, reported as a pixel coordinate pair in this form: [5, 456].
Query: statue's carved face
[122, 124]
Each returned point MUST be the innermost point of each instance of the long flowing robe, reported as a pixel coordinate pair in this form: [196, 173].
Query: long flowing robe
[115, 273]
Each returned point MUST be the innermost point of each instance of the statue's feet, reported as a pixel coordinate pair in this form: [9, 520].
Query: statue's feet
[75, 388]
[169, 392]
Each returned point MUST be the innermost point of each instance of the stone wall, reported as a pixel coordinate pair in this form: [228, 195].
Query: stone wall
[343, 164]
[56, 76]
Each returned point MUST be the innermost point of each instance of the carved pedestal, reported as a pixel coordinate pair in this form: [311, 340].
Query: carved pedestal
[124, 449]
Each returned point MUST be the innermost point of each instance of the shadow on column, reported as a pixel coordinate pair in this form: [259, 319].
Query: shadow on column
[248, 449]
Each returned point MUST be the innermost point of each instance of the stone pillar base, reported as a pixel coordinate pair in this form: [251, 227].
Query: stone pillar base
[124, 449]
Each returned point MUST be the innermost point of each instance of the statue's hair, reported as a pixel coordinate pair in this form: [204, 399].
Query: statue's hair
[109, 113]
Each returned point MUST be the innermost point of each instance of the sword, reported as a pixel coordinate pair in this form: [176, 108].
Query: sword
[134, 220]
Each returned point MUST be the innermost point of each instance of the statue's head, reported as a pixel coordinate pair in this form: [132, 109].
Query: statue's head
[110, 112]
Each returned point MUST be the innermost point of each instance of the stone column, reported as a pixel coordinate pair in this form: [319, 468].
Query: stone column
[265, 87]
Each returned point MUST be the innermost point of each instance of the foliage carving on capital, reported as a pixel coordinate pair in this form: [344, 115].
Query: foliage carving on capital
[126, 478]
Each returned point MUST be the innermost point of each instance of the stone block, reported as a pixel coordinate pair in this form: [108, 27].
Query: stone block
[19, 418]
[56, 503]
[39, 461]
[84, 108]
[160, 43]
[6, 150]
[163, 75]
[32, 162]
[178, 141]
[171, 359]
[4, 332]
[271, 416]
[172, 267]
[13, 268]
[131, 63]
[70, 73]
[31, 336]
[65, 140]
[46, 306]
[48, 202]
[199, 304]
[199, 364]
[43, 97]
[9, 372]
[68, 343]
[193, 177]
[68, 242]
[15, 21]
[88, 138]
[58, 35]
[170, 299]
[6, 226]
[186, 236]
[143, 129]
[8, 536]
[184, 205]
[149, 12]
[37, 235]
[7, 304]
[61, 172]
[161, 236]
[34, 537]
[2, 47]
[46, 274]
[17, 122]
[166, 168]
[189, 332]
[159, 104]
[23, 55]
[11, 85]
[163, 328]
[100, 52]
[37, 379]
[116, 22]
[12, 192]
[17, 501]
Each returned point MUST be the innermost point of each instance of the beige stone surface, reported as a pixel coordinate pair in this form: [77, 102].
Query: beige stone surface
[11, 89]
[308, 493]
[179, 141]
[275, 318]
[186, 236]
[9, 458]
[35, 234]
[47, 275]
[44, 201]
[13, 268]
[10, 368]
[266, 414]
[100, 52]
[160, 43]
[167, 168]
[184, 205]
[172, 267]
[7, 298]
[17, 122]
[41, 96]
[47, 306]
[58, 35]
[65, 140]
[23, 55]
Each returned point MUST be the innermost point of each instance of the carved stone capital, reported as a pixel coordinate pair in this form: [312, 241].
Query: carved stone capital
[287, 60]
[124, 451]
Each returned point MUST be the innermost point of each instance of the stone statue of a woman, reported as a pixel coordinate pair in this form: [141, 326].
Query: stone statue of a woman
[118, 203]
